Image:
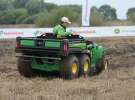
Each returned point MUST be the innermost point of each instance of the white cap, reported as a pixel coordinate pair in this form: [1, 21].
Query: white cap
[65, 20]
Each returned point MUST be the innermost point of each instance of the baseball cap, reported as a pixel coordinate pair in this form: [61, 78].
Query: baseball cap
[65, 20]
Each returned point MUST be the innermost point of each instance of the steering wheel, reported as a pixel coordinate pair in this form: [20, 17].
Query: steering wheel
[44, 34]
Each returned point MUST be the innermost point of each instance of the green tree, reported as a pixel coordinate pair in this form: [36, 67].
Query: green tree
[20, 19]
[132, 17]
[5, 5]
[131, 14]
[45, 20]
[96, 19]
[75, 8]
[29, 19]
[53, 17]
[65, 11]
[50, 6]
[108, 12]
[35, 6]
[10, 16]
[20, 3]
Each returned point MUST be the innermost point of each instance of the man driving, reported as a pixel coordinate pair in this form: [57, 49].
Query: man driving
[60, 30]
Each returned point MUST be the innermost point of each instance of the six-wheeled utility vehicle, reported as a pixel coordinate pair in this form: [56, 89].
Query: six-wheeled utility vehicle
[71, 56]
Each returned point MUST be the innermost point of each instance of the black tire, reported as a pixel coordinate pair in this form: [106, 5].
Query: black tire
[24, 68]
[69, 67]
[102, 64]
[84, 65]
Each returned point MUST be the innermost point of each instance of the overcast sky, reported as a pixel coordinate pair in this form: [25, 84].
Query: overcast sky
[121, 5]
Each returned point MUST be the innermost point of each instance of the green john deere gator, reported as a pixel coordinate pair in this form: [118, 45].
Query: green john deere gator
[72, 56]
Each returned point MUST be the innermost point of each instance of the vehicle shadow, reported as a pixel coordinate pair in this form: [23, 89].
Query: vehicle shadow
[47, 75]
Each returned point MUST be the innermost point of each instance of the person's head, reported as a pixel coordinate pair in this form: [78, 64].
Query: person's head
[65, 21]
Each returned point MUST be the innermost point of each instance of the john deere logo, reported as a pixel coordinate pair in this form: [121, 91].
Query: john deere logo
[117, 31]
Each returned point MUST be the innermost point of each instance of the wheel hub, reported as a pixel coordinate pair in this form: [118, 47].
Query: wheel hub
[74, 68]
[86, 66]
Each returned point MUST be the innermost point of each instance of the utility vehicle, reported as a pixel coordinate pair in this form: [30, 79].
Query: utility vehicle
[71, 56]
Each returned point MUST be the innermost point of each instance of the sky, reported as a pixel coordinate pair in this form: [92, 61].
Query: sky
[120, 5]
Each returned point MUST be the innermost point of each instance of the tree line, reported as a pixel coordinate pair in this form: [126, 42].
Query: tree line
[44, 14]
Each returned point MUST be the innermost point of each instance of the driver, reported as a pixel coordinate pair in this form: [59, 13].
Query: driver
[60, 30]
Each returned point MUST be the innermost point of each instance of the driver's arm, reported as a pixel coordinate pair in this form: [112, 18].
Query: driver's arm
[61, 32]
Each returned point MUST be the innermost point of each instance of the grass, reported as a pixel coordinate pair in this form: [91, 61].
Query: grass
[116, 83]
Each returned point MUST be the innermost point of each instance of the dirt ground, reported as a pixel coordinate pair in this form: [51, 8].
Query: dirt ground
[116, 83]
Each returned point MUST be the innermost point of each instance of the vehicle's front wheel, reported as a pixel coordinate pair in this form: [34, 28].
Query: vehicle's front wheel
[102, 64]
[69, 67]
[24, 67]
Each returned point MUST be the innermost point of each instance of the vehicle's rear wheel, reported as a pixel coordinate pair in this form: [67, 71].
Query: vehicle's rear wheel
[102, 64]
[24, 67]
[69, 68]
[84, 65]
